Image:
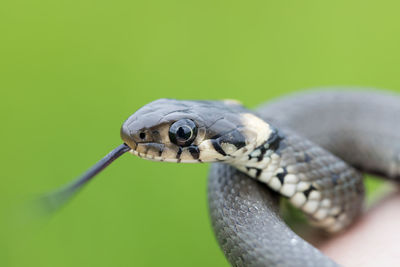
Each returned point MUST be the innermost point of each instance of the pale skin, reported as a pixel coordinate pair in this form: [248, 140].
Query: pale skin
[373, 240]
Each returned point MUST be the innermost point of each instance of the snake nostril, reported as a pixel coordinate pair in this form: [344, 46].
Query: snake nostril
[142, 135]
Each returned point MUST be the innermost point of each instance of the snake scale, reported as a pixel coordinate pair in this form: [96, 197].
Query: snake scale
[309, 148]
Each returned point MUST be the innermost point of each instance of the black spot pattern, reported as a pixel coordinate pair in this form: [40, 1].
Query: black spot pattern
[281, 175]
[217, 147]
[234, 137]
[308, 191]
[258, 171]
[178, 154]
[194, 151]
[274, 140]
[273, 143]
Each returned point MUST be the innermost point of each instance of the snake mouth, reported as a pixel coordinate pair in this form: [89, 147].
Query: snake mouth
[152, 151]
[166, 152]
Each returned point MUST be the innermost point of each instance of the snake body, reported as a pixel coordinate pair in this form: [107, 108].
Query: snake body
[360, 127]
[308, 148]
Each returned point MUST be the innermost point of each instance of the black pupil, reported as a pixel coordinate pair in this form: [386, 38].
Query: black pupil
[142, 135]
[184, 133]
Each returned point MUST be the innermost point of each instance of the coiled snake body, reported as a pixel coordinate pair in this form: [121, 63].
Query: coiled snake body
[308, 147]
[360, 127]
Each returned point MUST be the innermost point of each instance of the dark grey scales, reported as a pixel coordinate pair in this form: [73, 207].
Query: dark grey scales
[362, 127]
[248, 227]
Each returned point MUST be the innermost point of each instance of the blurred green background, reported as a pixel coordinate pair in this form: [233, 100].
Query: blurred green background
[72, 71]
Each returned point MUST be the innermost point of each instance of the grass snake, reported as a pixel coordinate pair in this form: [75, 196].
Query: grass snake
[309, 148]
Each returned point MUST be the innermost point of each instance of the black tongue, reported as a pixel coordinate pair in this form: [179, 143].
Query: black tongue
[55, 200]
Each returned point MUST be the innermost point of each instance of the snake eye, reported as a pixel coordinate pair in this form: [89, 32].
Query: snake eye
[183, 132]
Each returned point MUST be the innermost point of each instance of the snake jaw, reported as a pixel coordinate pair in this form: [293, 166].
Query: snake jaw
[166, 152]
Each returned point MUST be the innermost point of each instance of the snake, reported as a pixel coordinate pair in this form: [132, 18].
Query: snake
[310, 148]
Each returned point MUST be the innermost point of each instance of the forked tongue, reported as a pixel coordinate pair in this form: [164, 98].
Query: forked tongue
[55, 200]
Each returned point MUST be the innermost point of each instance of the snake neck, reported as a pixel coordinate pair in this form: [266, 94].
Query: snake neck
[293, 167]
[263, 162]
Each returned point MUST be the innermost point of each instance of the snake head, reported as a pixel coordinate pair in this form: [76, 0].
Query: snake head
[193, 131]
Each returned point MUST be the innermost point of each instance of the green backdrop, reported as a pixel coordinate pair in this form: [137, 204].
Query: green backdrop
[72, 71]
